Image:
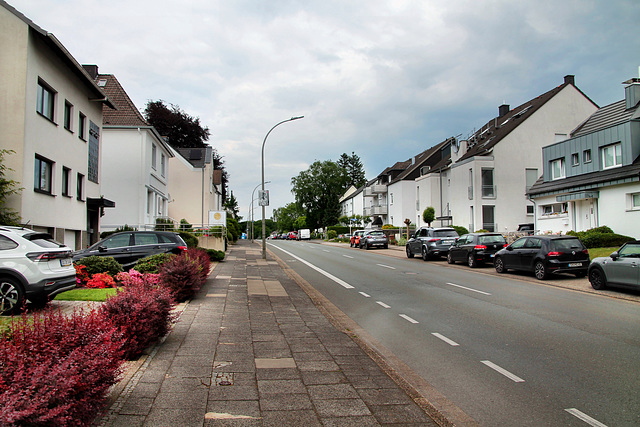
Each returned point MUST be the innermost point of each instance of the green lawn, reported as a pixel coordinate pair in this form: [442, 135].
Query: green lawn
[84, 294]
[596, 252]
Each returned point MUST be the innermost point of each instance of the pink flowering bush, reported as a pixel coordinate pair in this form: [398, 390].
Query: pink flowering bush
[101, 281]
[134, 277]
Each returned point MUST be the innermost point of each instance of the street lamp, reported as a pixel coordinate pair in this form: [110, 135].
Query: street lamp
[264, 228]
[252, 199]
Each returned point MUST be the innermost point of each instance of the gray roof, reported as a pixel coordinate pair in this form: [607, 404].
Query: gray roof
[605, 117]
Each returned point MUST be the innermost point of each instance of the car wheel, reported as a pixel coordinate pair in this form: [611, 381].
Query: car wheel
[409, 253]
[366, 245]
[350, 244]
[450, 259]
[540, 270]
[597, 279]
[471, 261]
[425, 254]
[499, 266]
[11, 296]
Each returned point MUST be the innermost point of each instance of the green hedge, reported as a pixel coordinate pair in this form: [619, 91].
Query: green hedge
[339, 229]
[100, 264]
[151, 264]
[189, 238]
[600, 237]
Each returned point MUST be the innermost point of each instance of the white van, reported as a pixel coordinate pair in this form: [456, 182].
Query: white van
[304, 234]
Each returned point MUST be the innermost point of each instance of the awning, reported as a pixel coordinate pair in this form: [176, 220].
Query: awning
[100, 203]
[578, 196]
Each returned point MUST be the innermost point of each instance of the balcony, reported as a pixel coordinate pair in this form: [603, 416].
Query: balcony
[375, 210]
[372, 190]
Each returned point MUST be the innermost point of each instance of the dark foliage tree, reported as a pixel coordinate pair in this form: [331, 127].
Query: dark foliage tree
[354, 168]
[180, 129]
[286, 216]
[231, 205]
[318, 190]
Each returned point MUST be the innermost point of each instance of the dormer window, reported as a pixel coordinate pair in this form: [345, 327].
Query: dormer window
[612, 156]
[557, 169]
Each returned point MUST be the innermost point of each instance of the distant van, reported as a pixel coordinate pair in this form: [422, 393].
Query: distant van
[304, 234]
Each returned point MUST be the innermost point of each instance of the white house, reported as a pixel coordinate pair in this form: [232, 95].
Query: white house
[492, 170]
[135, 161]
[51, 117]
[593, 178]
[432, 188]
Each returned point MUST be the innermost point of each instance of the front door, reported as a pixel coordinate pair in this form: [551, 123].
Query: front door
[586, 214]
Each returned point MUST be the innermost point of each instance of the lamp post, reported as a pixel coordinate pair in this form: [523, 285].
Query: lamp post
[252, 199]
[264, 228]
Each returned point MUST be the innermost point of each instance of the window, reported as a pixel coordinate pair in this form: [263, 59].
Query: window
[529, 209]
[46, 100]
[42, 177]
[149, 201]
[470, 189]
[80, 187]
[117, 241]
[586, 156]
[7, 243]
[94, 152]
[391, 198]
[153, 156]
[557, 169]
[575, 159]
[68, 111]
[488, 189]
[531, 176]
[82, 126]
[554, 209]
[633, 201]
[418, 198]
[66, 179]
[162, 164]
[612, 156]
[488, 218]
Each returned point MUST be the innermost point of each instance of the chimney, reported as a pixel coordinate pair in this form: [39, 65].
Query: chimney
[503, 110]
[570, 79]
[92, 70]
[632, 92]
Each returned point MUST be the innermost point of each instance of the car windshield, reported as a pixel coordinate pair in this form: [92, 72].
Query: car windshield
[445, 233]
[630, 251]
[376, 234]
[492, 240]
[566, 245]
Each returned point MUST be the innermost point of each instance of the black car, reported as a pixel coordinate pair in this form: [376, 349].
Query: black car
[476, 248]
[128, 247]
[431, 242]
[543, 255]
[372, 239]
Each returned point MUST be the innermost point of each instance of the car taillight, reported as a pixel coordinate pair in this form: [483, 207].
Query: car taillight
[479, 247]
[554, 253]
[182, 248]
[505, 245]
[434, 240]
[585, 251]
[47, 256]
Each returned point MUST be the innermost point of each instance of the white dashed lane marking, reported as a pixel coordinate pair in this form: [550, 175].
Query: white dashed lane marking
[503, 371]
[445, 339]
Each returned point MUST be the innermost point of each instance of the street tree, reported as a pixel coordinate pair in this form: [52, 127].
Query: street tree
[285, 217]
[231, 206]
[8, 187]
[354, 168]
[429, 215]
[318, 190]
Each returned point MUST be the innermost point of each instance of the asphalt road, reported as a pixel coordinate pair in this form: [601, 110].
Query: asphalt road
[506, 351]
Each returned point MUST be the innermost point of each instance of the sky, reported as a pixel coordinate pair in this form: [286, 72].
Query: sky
[383, 79]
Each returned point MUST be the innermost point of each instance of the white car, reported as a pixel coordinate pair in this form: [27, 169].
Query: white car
[33, 267]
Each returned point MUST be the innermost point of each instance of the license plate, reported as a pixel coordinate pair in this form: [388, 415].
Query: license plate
[575, 264]
[66, 262]
[447, 242]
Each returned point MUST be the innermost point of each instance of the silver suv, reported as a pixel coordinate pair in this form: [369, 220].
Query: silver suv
[33, 267]
[431, 242]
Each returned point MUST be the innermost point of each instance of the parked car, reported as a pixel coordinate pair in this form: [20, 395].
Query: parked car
[431, 242]
[621, 268]
[543, 255]
[354, 241]
[292, 235]
[476, 248]
[304, 234]
[128, 247]
[528, 228]
[375, 238]
[33, 266]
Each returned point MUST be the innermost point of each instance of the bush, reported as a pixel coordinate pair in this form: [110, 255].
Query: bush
[604, 240]
[57, 369]
[332, 234]
[184, 275]
[190, 239]
[460, 229]
[101, 281]
[152, 263]
[214, 255]
[142, 314]
[339, 229]
[100, 264]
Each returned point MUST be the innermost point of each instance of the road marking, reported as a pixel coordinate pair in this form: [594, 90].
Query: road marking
[503, 371]
[445, 339]
[409, 319]
[365, 295]
[324, 250]
[584, 417]
[386, 266]
[383, 304]
[318, 269]
[347, 256]
[469, 289]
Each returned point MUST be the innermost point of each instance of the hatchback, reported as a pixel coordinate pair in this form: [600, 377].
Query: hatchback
[476, 248]
[621, 268]
[128, 247]
[33, 266]
[543, 255]
[354, 241]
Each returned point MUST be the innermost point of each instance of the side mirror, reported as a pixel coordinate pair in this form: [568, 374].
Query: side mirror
[509, 248]
[614, 256]
[413, 236]
[102, 249]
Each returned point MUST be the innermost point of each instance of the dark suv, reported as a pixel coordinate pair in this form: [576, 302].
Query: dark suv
[128, 247]
[543, 255]
[431, 242]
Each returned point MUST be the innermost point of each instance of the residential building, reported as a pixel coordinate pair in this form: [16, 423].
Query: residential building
[492, 170]
[593, 178]
[196, 186]
[135, 161]
[51, 117]
[376, 194]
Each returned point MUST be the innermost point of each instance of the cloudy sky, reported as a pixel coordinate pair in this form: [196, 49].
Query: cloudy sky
[383, 79]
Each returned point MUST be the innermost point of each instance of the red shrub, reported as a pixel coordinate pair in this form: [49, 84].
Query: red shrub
[142, 314]
[184, 275]
[57, 369]
[200, 257]
[82, 276]
[101, 281]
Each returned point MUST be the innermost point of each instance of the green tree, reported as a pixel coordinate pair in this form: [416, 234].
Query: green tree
[300, 223]
[429, 215]
[286, 216]
[8, 187]
[318, 191]
[354, 168]
[231, 206]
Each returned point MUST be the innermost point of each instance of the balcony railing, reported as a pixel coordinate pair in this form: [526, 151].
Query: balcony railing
[375, 210]
[489, 191]
[372, 190]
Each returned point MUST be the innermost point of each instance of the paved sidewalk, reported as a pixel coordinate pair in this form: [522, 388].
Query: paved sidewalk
[252, 349]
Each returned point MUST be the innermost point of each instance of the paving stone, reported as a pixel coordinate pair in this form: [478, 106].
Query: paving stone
[290, 419]
[363, 421]
[332, 391]
[285, 402]
[387, 414]
[234, 392]
[321, 377]
[137, 406]
[280, 386]
[341, 407]
[196, 399]
[184, 417]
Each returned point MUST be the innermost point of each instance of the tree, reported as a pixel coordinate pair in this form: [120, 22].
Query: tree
[300, 223]
[354, 168]
[429, 215]
[231, 206]
[8, 187]
[286, 216]
[318, 190]
[180, 129]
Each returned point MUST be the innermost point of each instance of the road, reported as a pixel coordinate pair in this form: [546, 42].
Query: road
[504, 350]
